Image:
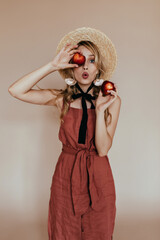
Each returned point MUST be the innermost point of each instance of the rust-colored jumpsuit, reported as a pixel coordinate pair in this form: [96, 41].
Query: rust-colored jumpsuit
[82, 202]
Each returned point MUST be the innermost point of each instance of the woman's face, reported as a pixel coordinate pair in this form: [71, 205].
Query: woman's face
[89, 66]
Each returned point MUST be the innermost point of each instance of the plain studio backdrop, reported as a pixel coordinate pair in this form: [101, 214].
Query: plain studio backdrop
[30, 33]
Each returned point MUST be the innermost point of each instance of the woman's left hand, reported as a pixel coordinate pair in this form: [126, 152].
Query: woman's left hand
[103, 102]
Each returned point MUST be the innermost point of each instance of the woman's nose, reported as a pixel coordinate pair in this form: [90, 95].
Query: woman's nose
[85, 68]
[85, 65]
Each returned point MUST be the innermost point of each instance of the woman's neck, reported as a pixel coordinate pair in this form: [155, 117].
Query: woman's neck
[84, 88]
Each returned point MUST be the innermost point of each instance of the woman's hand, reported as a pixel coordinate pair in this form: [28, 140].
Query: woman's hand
[61, 61]
[103, 102]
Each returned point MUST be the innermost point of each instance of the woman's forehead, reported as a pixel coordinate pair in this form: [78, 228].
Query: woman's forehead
[85, 51]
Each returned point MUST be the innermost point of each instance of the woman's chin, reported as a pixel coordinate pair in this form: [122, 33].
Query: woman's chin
[85, 81]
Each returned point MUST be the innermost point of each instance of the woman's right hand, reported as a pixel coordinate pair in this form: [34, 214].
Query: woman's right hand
[61, 61]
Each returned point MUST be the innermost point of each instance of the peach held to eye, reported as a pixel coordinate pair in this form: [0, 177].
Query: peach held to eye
[78, 58]
[107, 85]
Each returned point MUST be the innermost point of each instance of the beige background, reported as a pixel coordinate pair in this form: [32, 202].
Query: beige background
[30, 32]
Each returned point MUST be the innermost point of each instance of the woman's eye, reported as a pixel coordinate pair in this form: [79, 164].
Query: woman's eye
[92, 59]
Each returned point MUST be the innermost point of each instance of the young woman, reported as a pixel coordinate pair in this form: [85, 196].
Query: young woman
[82, 195]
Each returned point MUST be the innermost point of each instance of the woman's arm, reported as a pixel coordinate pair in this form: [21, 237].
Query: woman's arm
[21, 89]
[104, 135]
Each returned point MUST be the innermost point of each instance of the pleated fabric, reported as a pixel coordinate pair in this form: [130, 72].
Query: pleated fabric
[82, 201]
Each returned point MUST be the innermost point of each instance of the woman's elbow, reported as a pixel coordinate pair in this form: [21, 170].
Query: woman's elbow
[103, 152]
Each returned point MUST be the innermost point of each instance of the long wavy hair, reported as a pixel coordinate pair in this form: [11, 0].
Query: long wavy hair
[66, 93]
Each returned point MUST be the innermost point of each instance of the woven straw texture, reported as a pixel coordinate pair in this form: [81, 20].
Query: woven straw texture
[104, 44]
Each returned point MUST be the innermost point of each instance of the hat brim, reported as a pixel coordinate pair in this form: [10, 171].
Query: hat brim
[104, 44]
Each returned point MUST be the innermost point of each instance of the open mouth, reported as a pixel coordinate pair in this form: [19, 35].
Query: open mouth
[85, 75]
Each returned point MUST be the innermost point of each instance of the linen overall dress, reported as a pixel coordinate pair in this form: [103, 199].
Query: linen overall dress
[82, 203]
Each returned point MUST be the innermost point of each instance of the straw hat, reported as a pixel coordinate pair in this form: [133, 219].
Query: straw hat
[104, 44]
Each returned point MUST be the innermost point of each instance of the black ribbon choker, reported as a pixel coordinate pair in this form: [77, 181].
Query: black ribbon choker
[85, 96]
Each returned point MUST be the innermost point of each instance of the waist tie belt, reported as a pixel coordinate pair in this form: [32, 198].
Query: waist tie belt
[83, 190]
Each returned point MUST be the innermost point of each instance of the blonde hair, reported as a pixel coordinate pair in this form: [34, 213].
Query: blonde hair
[66, 94]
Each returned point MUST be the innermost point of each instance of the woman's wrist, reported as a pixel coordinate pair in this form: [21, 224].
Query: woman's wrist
[99, 112]
[51, 67]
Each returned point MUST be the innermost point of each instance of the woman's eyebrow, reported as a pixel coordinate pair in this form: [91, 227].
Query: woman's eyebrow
[91, 55]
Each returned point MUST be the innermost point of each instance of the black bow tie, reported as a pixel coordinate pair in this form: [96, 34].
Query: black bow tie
[85, 96]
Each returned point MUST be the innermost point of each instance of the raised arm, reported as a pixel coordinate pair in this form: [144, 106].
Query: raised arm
[22, 88]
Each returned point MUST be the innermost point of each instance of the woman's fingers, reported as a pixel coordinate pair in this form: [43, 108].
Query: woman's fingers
[74, 51]
[114, 94]
[71, 47]
[71, 65]
[116, 87]
[65, 47]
